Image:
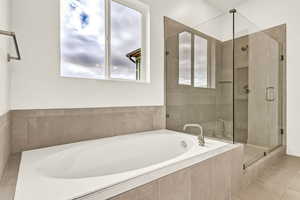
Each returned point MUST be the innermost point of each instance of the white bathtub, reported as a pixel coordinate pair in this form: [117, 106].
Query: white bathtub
[110, 166]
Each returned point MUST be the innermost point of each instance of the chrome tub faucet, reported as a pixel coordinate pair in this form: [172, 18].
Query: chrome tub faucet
[201, 139]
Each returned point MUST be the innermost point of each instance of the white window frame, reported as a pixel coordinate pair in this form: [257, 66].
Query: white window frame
[145, 39]
[191, 56]
[208, 68]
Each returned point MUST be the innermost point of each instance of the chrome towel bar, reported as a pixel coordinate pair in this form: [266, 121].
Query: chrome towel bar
[13, 35]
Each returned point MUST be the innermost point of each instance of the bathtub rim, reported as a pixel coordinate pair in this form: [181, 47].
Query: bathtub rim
[41, 169]
[139, 180]
[130, 184]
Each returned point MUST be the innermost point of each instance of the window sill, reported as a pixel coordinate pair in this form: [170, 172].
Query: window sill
[107, 80]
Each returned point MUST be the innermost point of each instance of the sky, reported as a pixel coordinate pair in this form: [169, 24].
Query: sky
[185, 60]
[83, 39]
[200, 71]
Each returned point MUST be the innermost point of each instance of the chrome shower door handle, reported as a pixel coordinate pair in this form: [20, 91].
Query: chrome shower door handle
[270, 94]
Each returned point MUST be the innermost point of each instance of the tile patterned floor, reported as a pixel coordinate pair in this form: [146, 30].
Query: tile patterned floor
[279, 182]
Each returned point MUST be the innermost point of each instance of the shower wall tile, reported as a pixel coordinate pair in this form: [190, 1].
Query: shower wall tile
[178, 116]
[33, 129]
[202, 96]
[279, 34]
[241, 57]
[186, 103]
[225, 111]
[4, 141]
[225, 90]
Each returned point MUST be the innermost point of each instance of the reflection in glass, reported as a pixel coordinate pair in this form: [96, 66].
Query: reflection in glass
[83, 38]
[185, 58]
[126, 32]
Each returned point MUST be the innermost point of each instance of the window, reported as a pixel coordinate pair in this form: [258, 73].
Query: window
[200, 62]
[201, 72]
[185, 58]
[103, 39]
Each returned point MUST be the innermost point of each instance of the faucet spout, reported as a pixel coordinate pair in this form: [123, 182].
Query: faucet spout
[201, 139]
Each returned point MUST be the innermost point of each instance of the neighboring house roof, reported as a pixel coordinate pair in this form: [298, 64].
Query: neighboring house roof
[134, 54]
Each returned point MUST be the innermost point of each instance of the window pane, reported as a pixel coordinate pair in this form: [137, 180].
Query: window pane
[200, 71]
[126, 32]
[83, 38]
[185, 58]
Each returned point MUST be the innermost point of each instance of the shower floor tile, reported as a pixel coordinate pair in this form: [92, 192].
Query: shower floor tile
[252, 152]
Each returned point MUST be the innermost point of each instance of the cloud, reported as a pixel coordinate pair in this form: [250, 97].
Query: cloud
[83, 41]
[82, 50]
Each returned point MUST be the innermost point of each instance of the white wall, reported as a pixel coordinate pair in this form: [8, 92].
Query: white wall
[36, 82]
[268, 13]
[4, 70]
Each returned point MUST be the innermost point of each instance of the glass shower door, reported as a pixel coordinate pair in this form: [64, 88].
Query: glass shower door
[193, 81]
[225, 75]
[257, 95]
[263, 84]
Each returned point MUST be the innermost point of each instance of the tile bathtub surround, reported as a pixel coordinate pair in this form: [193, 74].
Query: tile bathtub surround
[217, 178]
[9, 179]
[280, 181]
[33, 129]
[4, 141]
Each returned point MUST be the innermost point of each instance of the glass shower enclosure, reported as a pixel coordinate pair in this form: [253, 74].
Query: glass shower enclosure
[225, 75]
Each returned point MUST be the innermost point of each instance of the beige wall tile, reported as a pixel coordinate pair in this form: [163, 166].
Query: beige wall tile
[7, 192]
[221, 177]
[236, 160]
[4, 141]
[201, 181]
[145, 192]
[291, 195]
[19, 133]
[87, 127]
[42, 128]
[197, 105]
[45, 131]
[9, 180]
[207, 180]
[11, 170]
[175, 186]
[130, 195]
[159, 121]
